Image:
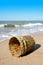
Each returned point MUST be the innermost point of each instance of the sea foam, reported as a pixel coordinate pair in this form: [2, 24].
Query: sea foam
[25, 29]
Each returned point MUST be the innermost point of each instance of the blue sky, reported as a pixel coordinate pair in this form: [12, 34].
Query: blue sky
[21, 9]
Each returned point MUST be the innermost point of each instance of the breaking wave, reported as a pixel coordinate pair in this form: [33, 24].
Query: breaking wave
[21, 25]
[25, 29]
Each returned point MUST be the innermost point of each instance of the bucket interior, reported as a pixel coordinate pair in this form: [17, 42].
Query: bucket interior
[14, 46]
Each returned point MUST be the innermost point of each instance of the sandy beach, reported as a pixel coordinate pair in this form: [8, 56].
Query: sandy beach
[33, 58]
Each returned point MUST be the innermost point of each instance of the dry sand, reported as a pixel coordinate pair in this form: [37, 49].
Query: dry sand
[33, 58]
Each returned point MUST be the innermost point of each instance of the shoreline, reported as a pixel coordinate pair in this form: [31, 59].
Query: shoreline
[8, 37]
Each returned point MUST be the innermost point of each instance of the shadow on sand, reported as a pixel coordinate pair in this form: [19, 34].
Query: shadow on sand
[37, 46]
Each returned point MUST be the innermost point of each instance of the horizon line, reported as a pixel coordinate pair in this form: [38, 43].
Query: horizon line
[21, 20]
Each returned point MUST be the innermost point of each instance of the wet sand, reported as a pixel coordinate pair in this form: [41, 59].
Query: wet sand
[33, 58]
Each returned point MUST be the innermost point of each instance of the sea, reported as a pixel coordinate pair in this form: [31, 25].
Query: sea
[26, 28]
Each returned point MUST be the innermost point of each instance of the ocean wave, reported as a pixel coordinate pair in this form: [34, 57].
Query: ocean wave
[24, 29]
[21, 25]
[32, 24]
[2, 25]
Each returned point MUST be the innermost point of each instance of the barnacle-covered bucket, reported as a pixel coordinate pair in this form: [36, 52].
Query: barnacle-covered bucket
[20, 45]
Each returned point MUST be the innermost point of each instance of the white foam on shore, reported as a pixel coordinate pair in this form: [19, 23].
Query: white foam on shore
[19, 32]
[4, 37]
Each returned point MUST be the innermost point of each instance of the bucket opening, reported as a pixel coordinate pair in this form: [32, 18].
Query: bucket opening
[14, 40]
[14, 46]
